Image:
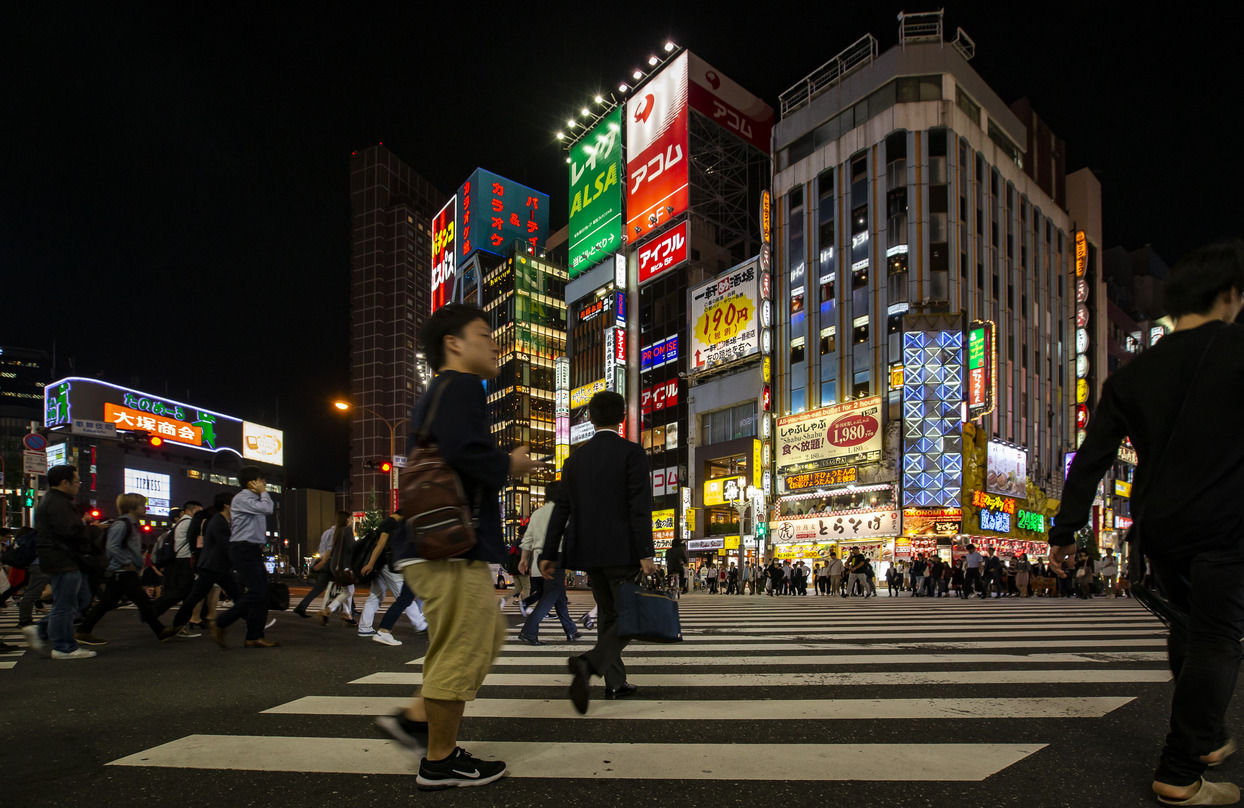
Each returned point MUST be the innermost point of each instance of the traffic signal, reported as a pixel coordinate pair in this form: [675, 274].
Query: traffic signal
[384, 466]
[95, 513]
[28, 500]
[155, 440]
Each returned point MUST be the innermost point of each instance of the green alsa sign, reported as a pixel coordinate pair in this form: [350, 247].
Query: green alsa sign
[596, 194]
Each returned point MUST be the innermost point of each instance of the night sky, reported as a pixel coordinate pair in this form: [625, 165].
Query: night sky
[174, 207]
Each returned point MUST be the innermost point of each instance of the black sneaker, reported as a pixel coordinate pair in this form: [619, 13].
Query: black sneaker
[411, 734]
[457, 771]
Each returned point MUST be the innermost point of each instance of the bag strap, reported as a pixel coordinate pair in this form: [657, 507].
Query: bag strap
[421, 437]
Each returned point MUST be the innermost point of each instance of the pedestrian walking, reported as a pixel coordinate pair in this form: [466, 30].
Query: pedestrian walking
[340, 530]
[178, 573]
[1179, 403]
[676, 566]
[213, 568]
[1108, 569]
[64, 556]
[465, 628]
[387, 580]
[972, 564]
[123, 546]
[248, 528]
[554, 593]
[603, 509]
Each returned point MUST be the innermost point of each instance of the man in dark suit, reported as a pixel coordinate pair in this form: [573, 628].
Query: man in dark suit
[606, 498]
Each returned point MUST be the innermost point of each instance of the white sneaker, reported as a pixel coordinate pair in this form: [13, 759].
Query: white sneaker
[386, 638]
[501, 605]
[31, 633]
[78, 653]
[523, 609]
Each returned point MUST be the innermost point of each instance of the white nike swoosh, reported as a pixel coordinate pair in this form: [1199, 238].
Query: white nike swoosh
[472, 773]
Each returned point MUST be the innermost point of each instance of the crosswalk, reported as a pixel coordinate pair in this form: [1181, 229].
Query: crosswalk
[1013, 670]
[12, 637]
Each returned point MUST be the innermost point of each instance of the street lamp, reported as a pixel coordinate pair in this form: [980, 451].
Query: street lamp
[344, 406]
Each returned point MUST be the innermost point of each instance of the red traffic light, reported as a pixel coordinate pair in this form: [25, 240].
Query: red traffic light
[385, 467]
[155, 440]
[146, 528]
[95, 514]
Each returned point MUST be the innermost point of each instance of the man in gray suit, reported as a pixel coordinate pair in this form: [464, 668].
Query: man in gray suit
[606, 499]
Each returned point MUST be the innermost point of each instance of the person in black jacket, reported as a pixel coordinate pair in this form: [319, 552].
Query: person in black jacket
[676, 565]
[1179, 403]
[606, 498]
[213, 567]
[63, 544]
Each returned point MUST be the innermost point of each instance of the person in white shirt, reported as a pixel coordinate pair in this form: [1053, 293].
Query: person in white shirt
[1108, 569]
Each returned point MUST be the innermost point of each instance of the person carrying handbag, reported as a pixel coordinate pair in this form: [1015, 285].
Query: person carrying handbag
[1179, 402]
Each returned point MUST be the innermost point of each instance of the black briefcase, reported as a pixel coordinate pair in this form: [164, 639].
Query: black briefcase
[647, 614]
[278, 596]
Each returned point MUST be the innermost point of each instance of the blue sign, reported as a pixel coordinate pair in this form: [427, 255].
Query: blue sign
[619, 309]
[671, 349]
[997, 521]
[493, 212]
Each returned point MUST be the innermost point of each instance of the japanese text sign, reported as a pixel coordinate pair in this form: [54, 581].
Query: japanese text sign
[663, 253]
[819, 479]
[725, 326]
[596, 194]
[659, 397]
[443, 254]
[847, 525]
[656, 151]
[840, 435]
[728, 105]
[494, 212]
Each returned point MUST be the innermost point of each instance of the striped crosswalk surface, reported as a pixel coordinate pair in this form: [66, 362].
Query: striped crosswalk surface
[1000, 665]
[12, 637]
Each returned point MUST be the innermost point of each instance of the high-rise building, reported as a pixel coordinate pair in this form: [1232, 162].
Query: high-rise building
[24, 372]
[390, 299]
[925, 253]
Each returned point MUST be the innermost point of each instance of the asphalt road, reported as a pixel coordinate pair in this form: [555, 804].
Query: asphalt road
[903, 702]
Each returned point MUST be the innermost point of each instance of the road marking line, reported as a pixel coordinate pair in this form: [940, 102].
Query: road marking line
[812, 678]
[963, 762]
[853, 659]
[726, 710]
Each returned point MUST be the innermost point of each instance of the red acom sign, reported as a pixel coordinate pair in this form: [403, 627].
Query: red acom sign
[663, 252]
[660, 397]
[656, 151]
[729, 105]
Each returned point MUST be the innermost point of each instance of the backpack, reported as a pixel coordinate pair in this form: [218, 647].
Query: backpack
[24, 551]
[341, 559]
[166, 547]
[439, 521]
[361, 554]
[512, 556]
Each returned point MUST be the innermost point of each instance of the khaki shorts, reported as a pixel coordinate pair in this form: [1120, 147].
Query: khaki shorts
[465, 628]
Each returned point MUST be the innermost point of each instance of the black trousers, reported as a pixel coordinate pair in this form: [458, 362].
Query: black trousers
[605, 659]
[1204, 656]
[177, 582]
[122, 583]
[247, 558]
[203, 584]
[322, 580]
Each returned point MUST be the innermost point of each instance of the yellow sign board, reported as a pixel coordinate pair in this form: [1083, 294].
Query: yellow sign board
[766, 370]
[757, 464]
[691, 519]
[715, 490]
[580, 396]
[1081, 253]
[732, 542]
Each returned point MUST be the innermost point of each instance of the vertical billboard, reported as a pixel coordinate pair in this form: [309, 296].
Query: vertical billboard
[494, 212]
[982, 361]
[932, 398]
[596, 194]
[725, 325]
[656, 151]
[728, 105]
[443, 253]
